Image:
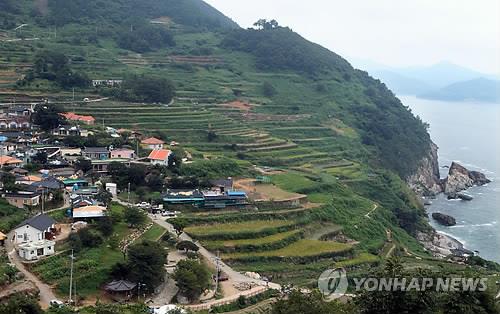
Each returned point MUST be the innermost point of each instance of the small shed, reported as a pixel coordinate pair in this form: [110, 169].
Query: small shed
[120, 289]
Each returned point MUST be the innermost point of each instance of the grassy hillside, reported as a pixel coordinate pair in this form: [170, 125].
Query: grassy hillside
[263, 98]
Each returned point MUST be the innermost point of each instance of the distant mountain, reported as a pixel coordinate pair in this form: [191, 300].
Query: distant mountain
[480, 89]
[400, 84]
[444, 80]
[441, 74]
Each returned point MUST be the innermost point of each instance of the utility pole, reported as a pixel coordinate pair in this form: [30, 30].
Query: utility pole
[217, 271]
[128, 197]
[43, 199]
[71, 279]
[73, 95]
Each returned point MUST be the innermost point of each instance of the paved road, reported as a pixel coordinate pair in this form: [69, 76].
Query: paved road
[46, 294]
[231, 273]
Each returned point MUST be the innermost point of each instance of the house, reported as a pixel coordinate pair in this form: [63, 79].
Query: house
[66, 130]
[35, 229]
[48, 184]
[222, 184]
[101, 166]
[34, 250]
[206, 199]
[152, 143]
[15, 123]
[92, 211]
[96, 153]
[28, 180]
[159, 157]
[71, 116]
[123, 153]
[10, 161]
[108, 83]
[81, 201]
[23, 198]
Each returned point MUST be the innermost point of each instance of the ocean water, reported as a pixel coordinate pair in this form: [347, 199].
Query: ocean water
[467, 132]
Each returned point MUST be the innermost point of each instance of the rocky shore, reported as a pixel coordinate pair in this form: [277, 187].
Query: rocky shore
[427, 182]
[442, 245]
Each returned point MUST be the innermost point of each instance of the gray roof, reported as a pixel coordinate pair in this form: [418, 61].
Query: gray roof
[120, 286]
[96, 150]
[40, 222]
[49, 183]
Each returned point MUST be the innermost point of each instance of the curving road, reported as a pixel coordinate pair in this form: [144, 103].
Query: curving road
[46, 294]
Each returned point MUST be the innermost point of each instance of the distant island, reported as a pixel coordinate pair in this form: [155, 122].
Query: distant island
[442, 81]
[480, 89]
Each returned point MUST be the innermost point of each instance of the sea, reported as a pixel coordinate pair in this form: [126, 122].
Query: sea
[467, 132]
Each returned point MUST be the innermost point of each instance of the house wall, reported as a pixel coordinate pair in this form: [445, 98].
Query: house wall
[20, 202]
[33, 254]
[155, 146]
[27, 234]
[123, 154]
[160, 162]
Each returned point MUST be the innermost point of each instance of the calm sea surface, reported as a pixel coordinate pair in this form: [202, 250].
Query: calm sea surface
[467, 132]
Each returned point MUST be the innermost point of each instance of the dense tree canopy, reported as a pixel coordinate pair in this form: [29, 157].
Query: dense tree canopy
[192, 278]
[54, 66]
[149, 89]
[146, 263]
[47, 117]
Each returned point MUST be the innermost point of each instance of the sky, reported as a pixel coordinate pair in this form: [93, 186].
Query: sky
[396, 33]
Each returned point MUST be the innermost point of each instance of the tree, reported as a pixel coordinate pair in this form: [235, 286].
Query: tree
[211, 136]
[268, 89]
[40, 158]
[104, 196]
[21, 304]
[264, 24]
[187, 246]
[146, 263]
[134, 217]
[192, 278]
[179, 224]
[47, 117]
[90, 238]
[83, 164]
[105, 226]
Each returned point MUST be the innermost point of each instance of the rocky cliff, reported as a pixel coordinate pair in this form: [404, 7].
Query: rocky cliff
[460, 179]
[426, 180]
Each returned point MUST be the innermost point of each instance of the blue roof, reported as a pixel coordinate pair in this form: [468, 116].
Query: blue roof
[236, 193]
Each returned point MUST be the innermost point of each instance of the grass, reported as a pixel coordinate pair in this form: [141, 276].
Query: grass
[291, 181]
[301, 248]
[214, 245]
[254, 226]
[153, 234]
[363, 258]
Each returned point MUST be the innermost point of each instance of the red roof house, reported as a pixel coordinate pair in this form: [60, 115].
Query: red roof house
[153, 143]
[160, 157]
[71, 116]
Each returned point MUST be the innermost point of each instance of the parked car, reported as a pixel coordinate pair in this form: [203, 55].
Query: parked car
[143, 205]
[56, 303]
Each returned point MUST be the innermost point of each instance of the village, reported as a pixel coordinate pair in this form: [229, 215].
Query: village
[61, 187]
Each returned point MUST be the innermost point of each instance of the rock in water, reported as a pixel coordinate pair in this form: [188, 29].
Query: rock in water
[462, 196]
[460, 179]
[444, 220]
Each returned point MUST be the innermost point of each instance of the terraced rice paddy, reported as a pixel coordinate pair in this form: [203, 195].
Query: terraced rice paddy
[301, 248]
[236, 244]
[239, 228]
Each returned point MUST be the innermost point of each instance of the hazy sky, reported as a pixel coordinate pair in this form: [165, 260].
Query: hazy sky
[392, 32]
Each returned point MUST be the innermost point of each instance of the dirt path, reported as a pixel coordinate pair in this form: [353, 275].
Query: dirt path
[46, 294]
[375, 206]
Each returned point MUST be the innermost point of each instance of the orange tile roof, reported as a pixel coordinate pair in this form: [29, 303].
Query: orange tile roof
[159, 154]
[76, 117]
[7, 160]
[152, 141]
